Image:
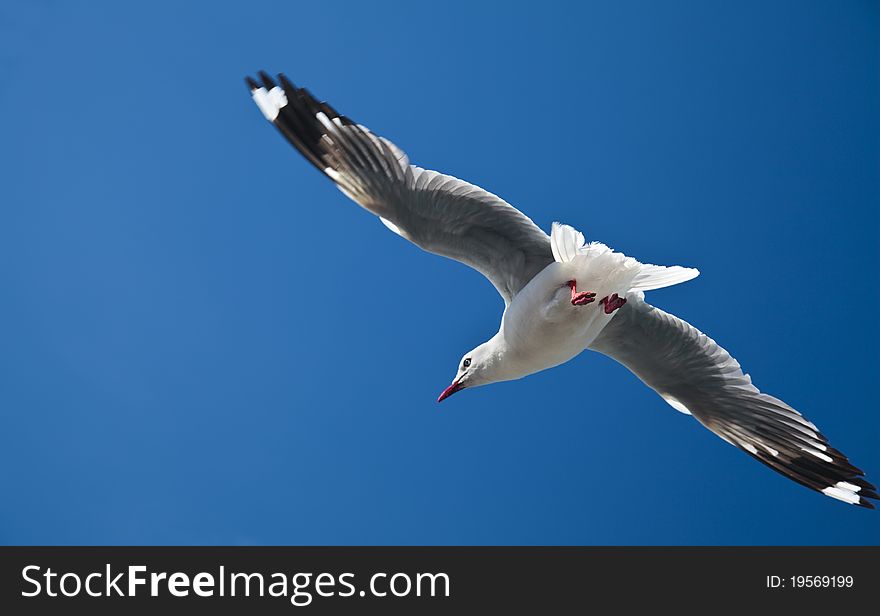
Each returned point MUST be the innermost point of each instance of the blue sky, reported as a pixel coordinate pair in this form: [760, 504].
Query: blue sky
[204, 342]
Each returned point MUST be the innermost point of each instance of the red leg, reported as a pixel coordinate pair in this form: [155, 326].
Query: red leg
[612, 303]
[580, 299]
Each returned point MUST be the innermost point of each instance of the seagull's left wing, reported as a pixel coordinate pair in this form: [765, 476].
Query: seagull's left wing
[437, 212]
[696, 376]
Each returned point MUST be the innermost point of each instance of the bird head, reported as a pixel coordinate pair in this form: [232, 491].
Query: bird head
[476, 368]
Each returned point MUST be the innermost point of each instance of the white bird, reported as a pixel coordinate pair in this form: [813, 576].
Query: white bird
[561, 294]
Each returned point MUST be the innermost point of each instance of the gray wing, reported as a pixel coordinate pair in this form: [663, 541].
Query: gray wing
[437, 212]
[696, 376]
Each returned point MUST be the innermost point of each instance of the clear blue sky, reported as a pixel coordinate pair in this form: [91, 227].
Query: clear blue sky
[204, 342]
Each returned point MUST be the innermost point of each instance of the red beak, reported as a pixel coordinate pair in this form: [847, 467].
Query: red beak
[456, 386]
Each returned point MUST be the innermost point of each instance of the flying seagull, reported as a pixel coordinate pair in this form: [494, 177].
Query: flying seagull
[562, 295]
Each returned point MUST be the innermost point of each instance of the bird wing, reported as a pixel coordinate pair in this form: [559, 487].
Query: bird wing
[696, 376]
[437, 212]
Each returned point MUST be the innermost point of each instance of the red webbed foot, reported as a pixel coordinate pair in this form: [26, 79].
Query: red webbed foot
[580, 298]
[612, 303]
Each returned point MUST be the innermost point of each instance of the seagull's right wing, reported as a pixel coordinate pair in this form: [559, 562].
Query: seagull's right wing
[437, 212]
[696, 376]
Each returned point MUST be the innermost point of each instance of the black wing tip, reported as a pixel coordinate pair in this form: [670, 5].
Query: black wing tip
[286, 83]
[299, 118]
[267, 81]
[868, 491]
[309, 100]
[823, 477]
[296, 118]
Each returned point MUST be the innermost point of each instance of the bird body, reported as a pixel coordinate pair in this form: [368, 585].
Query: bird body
[562, 295]
[542, 327]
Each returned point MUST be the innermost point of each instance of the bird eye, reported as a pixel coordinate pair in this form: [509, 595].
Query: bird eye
[466, 362]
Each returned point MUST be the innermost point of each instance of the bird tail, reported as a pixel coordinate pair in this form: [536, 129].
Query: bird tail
[658, 276]
[567, 243]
